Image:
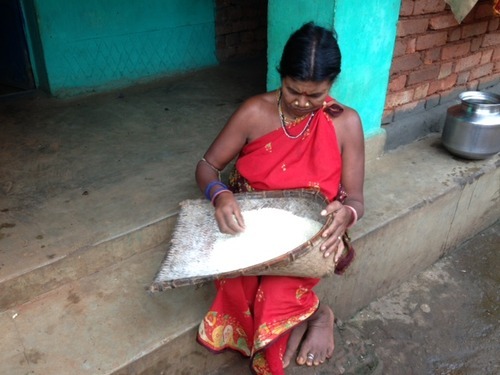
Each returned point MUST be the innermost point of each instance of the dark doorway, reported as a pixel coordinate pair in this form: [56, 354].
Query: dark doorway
[15, 68]
[241, 29]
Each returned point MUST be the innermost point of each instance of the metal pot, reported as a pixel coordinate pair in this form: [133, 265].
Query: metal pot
[472, 128]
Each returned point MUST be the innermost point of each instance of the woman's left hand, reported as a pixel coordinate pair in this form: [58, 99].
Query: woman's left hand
[342, 216]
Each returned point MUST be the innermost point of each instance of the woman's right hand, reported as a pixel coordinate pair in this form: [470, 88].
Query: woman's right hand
[228, 214]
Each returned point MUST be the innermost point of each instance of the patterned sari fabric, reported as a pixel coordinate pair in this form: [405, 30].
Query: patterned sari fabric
[254, 315]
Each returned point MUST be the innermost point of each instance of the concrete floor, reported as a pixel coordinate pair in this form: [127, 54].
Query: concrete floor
[73, 171]
[444, 321]
[84, 183]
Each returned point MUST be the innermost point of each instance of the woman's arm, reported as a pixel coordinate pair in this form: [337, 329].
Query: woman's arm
[221, 152]
[351, 142]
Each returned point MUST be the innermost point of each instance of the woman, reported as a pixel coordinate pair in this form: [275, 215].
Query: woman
[293, 137]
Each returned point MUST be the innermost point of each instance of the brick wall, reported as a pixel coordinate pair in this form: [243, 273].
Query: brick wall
[436, 58]
[241, 29]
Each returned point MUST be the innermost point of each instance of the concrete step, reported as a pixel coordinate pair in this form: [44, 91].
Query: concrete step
[107, 323]
[420, 203]
[58, 242]
[87, 182]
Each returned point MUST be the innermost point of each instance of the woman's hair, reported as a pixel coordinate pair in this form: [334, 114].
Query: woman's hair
[311, 54]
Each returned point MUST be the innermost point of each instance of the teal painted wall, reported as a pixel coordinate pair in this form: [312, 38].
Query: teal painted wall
[96, 45]
[366, 34]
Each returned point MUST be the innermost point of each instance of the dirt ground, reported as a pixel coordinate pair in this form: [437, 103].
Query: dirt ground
[444, 321]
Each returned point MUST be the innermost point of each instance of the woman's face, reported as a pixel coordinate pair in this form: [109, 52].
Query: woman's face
[302, 97]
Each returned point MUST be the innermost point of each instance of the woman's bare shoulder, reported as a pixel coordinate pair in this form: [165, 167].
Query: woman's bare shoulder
[346, 117]
[255, 109]
[257, 103]
[343, 112]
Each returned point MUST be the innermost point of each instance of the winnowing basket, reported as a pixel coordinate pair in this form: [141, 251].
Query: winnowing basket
[196, 229]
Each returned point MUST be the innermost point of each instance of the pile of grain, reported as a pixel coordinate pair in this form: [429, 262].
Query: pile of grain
[269, 233]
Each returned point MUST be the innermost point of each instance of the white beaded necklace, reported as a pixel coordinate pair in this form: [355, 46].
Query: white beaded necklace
[283, 123]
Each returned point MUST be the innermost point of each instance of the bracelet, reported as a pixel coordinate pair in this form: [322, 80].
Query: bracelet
[216, 170]
[217, 193]
[355, 215]
[211, 185]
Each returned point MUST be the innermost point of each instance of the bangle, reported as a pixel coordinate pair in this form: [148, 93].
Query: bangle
[216, 170]
[355, 216]
[211, 185]
[217, 193]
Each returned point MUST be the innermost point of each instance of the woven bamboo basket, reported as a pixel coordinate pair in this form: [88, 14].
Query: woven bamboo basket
[196, 228]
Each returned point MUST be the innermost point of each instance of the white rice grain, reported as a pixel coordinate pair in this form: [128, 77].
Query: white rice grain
[269, 233]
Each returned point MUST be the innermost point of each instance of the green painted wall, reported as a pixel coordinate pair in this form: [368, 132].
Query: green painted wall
[366, 34]
[93, 45]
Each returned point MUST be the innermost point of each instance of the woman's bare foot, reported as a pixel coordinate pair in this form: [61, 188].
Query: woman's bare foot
[294, 342]
[318, 344]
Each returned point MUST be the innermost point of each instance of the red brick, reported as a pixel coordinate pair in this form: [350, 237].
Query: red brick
[444, 21]
[466, 63]
[423, 75]
[399, 47]
[421, 91]
[491, 39]
[481, 71]
[406, 8]
[407, 107]
[463, 77]
[474, 29]
[398, 98]
[445, 70]
[476, 42]
[496, 54]
[496, 68]
[428, 6]
[454, 34]
[432, 55]
[486, 57]
[452, 51]
[404, 46]
[410, 46]
[412, 26]
[442, 84]
[431, 40]
[405, 62]
[397, 83]
[494, 24]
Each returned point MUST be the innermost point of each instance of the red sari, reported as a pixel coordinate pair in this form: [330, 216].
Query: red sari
[254, 315]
